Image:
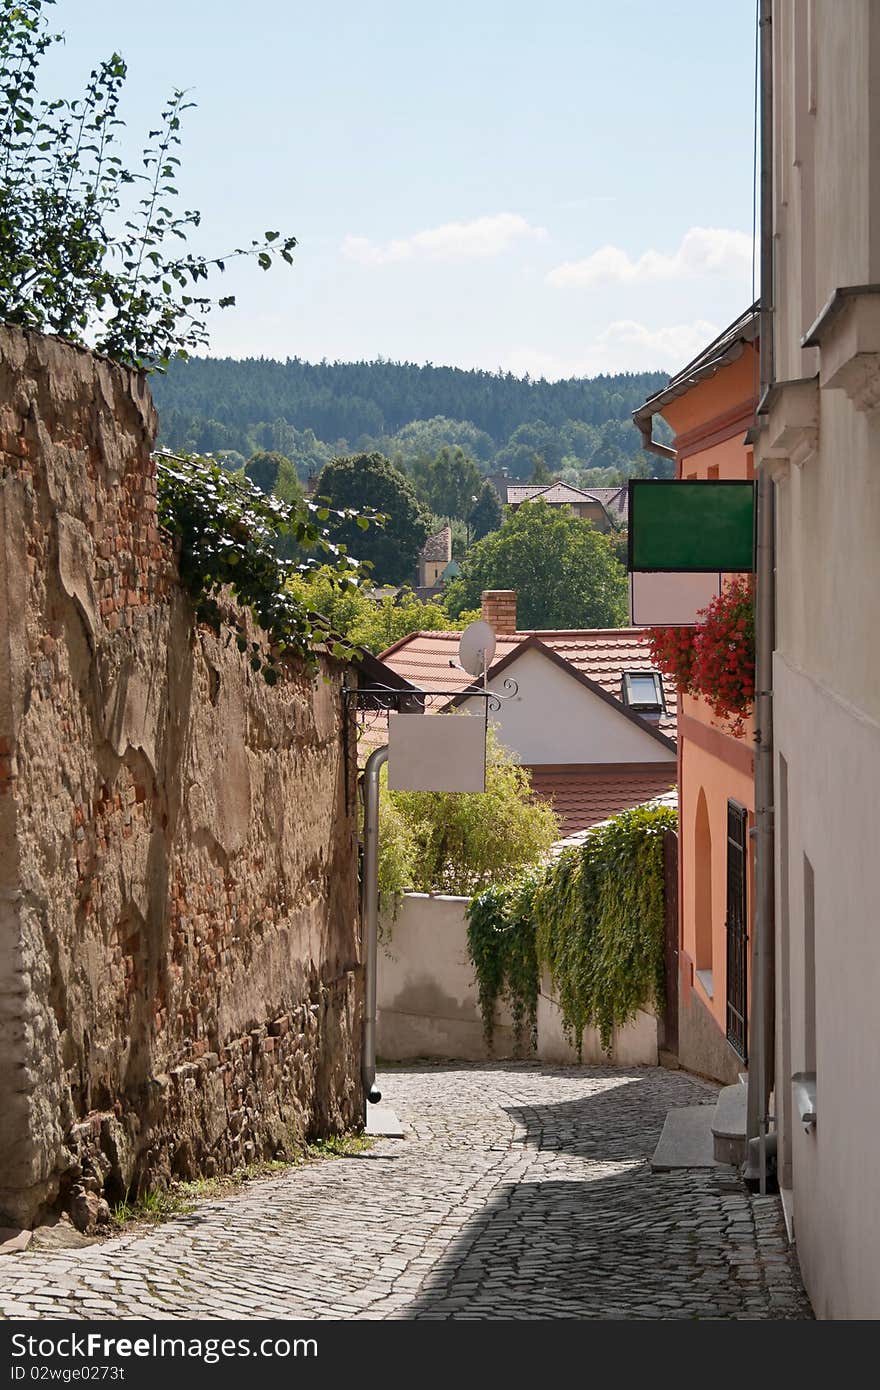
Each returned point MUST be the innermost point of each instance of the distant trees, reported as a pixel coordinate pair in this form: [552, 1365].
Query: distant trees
[448, 483]
[368, 622]
[487, 512]
[370, 480]
[312, 412]
[564, 571]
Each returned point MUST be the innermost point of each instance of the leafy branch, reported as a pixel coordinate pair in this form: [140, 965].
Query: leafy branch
[76, 259]
[227, 531]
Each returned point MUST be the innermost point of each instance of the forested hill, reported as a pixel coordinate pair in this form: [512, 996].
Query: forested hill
[217, 404]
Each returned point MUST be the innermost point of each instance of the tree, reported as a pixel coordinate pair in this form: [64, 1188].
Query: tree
[487, 513]
[371, 480]
[563, 570]
[448, 483]
[80, 256]
[263, 468]
[457, 842]
[368, 622]
[541, 474]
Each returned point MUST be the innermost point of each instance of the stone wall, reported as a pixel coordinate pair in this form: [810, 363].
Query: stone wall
[179, 979]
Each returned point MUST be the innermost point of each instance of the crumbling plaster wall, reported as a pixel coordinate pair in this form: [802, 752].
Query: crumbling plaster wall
[179, 981]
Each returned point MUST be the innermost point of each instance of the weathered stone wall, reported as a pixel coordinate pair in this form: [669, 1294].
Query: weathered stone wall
[179, 983]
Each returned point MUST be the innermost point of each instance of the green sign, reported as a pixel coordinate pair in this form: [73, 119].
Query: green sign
[682, 526]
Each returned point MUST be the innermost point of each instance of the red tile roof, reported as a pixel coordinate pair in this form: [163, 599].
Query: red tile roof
[583, 794]
[602, 654]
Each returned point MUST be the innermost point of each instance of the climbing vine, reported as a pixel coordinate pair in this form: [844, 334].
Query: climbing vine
[594, 918]
[501, 944]
[228, 531]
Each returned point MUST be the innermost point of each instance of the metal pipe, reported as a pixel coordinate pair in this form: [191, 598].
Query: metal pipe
[370, 918]
[646, 430]
[761, 1049]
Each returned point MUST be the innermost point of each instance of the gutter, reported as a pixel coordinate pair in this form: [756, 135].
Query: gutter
[649, 443]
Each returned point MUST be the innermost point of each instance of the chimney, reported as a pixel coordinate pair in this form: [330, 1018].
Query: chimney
[499, 610]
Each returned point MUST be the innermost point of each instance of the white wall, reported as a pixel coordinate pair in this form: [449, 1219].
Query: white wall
[427, 998]
[555, 719]
[827, 664]
[832, 754]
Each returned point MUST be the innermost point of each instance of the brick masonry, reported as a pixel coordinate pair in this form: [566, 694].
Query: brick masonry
[179, 980]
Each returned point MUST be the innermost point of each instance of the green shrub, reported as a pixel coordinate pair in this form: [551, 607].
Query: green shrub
[461, 842]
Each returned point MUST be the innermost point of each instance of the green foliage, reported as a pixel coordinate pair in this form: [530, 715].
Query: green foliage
[405, 411]
[368, 622]
[564, 571]
[80, 254]
[369, 480]
[600, 923]
[501, 945]
[452, 842]
[487, 513]
[448, 483]
[228, 532]
[596, 918]
[263, 468]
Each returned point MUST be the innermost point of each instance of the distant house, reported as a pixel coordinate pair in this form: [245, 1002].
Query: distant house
[584, 504]
[434, 558]
[591, 720]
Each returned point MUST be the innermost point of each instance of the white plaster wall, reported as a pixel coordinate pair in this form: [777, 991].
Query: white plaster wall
[632, 1046]
[555, 719]
[427, 998]
[427, 994]
[833, 756]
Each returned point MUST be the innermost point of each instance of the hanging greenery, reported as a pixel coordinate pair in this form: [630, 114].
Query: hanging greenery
[227, 531]
[501, 944]
[594, 918]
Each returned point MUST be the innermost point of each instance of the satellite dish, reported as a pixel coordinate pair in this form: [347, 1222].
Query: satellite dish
[477, 648]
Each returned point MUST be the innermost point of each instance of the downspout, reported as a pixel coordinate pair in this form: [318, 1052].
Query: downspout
[649, 443]
[762, 1023]
[370, 917]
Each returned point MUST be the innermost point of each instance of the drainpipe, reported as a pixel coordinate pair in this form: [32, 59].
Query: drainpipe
[762, 1024]
[370, 917]
[649, 443]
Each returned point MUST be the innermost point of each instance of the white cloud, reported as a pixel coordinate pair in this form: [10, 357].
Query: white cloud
[703, 251]
[624, 346]
[454, 241]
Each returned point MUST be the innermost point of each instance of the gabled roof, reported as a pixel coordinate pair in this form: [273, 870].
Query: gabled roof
[534, 643]
[548, 492]
[438, 547]
[601, 654]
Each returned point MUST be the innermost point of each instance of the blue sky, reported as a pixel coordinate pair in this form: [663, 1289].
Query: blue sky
[562, 188]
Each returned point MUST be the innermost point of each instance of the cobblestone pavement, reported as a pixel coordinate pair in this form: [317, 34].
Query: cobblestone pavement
[520, 1191]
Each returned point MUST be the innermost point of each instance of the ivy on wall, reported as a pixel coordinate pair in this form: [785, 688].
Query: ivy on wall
[501, 944]
[594, 918]
[227, 530]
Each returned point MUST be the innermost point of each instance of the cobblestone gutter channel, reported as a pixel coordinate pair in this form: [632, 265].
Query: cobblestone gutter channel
[520, 1191]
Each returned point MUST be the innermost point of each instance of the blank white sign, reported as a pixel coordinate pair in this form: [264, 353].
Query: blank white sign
[670, 600]
[436, 753]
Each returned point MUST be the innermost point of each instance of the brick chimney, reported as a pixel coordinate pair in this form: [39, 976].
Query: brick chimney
[499, 610]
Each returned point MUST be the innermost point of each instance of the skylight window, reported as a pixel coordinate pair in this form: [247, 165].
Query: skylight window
[642, 692]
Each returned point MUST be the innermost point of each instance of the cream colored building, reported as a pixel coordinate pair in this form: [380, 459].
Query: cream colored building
[819, 437]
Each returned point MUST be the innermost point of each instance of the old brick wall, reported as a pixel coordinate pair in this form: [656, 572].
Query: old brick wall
[179, 983]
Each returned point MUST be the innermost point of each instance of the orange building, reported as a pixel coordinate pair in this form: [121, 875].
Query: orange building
[710, 405]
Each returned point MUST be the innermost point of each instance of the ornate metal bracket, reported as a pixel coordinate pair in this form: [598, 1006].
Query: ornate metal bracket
[388, 698]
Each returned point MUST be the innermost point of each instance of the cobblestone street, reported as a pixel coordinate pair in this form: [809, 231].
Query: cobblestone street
[519, 1191]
